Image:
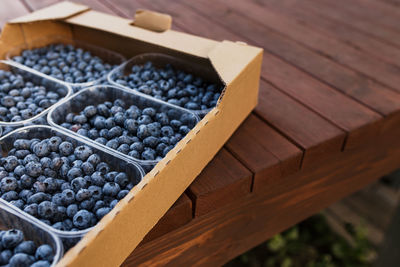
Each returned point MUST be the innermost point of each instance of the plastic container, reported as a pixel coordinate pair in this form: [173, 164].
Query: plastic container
[10, 218]
[106, 55]
[38, 79]
[207, 73]
[99, 94]
[115, 161]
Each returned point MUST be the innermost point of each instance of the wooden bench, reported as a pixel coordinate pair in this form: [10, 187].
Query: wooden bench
[327, 123]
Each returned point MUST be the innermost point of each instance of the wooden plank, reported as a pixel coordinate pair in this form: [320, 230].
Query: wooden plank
[178, 215]
[335, 29]
[371, 10]
[360, 123]
[11, 9]
[331, 104]
[380, 71]
[190, 24]
[214, 239]
[369, 27]
[264, 151]
[314, 134]
[223, 180]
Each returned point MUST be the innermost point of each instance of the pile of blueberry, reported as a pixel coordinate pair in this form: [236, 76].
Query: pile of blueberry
[173, 86]
[22, 100]
[15, 251]
[63, 185]
[140, 133]
[65, 62]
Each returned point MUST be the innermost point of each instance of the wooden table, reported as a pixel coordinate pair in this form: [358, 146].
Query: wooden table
[327, 123]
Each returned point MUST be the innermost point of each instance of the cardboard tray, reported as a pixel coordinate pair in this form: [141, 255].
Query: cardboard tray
[238, 66]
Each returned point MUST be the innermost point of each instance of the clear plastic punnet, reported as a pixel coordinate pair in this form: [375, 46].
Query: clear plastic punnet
[37, 79]
[115, 161]
[106, 55]
[205, 71]
[11, 218]
[99, 94]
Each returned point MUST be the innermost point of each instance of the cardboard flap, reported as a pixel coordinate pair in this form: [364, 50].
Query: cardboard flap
[58, 11]
[151, 20]
[230, 58]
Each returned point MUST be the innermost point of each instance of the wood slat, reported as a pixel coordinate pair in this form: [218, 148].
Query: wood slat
[381, 71]
[283, 113]
[344, 112]
[222, 181]
[335, 29]
[11, 9]
[265, 152]
[213, 240]
[371, 10]
[368, 27]
[178, 215]
[315, 135]
[353, 84]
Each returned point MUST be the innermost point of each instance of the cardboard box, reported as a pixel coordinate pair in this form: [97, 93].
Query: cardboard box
[238, 66]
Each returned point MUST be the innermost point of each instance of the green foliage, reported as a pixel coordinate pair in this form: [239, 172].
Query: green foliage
[311, 243]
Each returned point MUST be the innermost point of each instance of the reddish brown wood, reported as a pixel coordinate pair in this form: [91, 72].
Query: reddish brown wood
[314, 134]
[221, 235]
[10, 9]
[260, 148]
[371, 10]
[224, 180]
[369, 27]
[341, 53]
[335, 29]
[178, 215]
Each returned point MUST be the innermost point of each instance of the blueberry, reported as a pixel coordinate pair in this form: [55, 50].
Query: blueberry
[142, 131]
[72, 210]
[112, 144]
[83, 152]
[57, 199]
[111, 189]
[90, 111]
[131, 125]
[110, 176]
[74, 173]
[37, 198]
[113, 203]
[150, 141]
[19, 203]
[27, 247]
[10, 163]
[46, 209]
[11, 238]
[8, 184]
[10, 195]
[97, 179]
[20, 260]
[103, 168]
[121, 179]
[44, 252]
[96, 192]
[101, 212]
[41, 149]
[122, 194]
[67, 197]
[32, 209]
[5, 256]
[83, 194]
[82, 219]
[78, 183]
[66, 148]
[41, 263]
[148, 154]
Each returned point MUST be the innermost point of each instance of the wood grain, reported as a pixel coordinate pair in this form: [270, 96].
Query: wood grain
[221, 235]
[315, 135]
[264, 151]
[178, 215]
[221, 182]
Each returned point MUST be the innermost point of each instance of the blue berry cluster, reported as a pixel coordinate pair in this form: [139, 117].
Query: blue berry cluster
[173, 86]
[15, 251]
[22, 100]
[144, 134]
[65, 62]
[63, 185]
